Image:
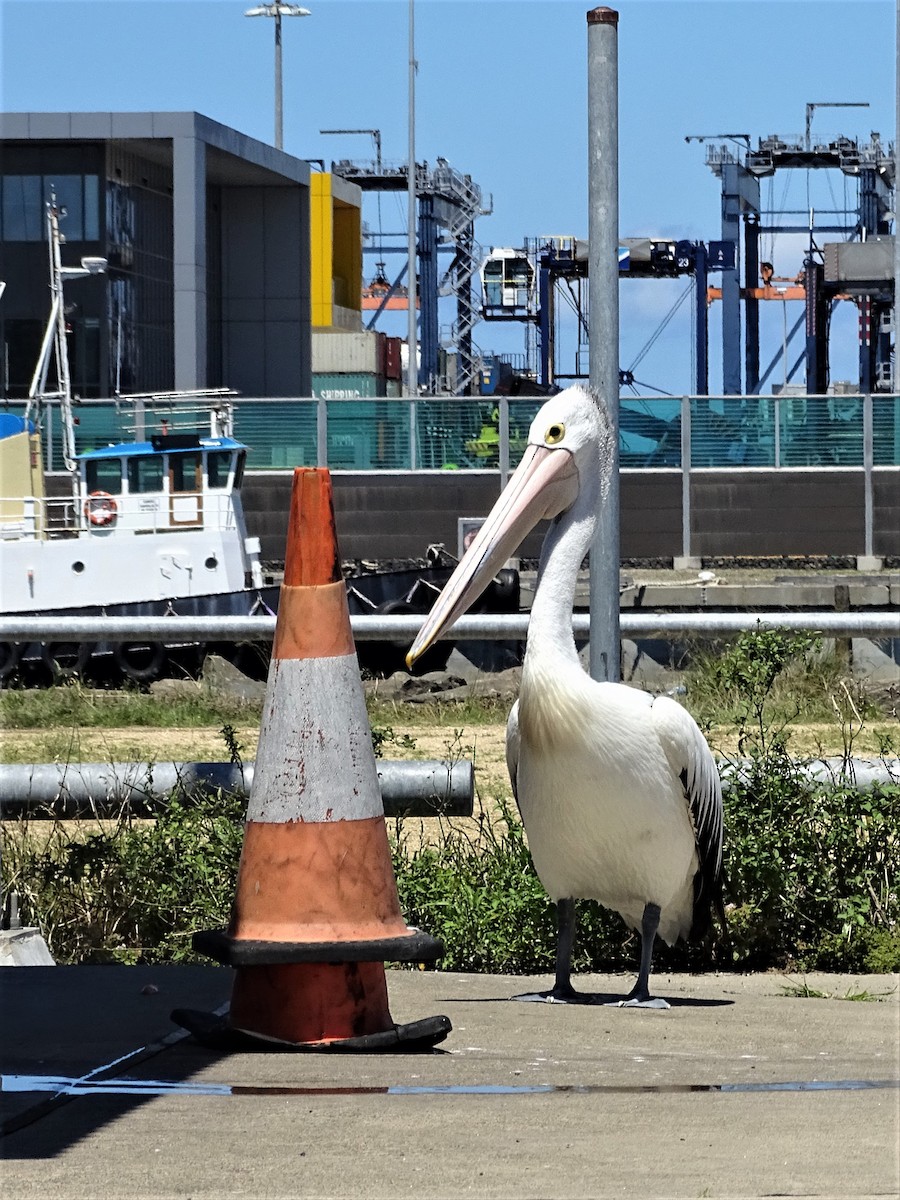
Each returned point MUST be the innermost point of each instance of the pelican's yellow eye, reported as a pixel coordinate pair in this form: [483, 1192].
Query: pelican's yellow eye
[555, 434]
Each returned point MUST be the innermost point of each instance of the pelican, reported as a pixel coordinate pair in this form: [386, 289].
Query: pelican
[618, 790]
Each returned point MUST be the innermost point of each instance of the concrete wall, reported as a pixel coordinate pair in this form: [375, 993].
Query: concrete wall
[753, 513]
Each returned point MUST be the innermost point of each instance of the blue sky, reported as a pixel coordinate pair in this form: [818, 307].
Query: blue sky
[501, 94]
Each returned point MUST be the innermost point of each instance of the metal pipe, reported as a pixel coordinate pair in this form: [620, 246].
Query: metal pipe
[860, 773]
[75, 789]
[603, 297]
[481, 626]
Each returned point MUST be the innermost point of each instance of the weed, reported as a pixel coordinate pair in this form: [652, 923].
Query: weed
[805, 992]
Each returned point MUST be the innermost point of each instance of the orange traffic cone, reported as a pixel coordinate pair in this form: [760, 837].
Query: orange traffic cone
[316, 911]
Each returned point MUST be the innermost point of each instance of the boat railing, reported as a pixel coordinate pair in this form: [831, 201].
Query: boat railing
[40, 518]
[37, 517]
[208, 412]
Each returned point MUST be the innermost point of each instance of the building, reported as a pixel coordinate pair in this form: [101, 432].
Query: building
[207, 235]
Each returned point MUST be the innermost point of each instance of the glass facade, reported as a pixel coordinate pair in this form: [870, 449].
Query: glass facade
[23, 200]
[114, 204]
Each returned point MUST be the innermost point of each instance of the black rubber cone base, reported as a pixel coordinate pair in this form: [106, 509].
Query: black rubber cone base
[414, 946]
[216, 1033]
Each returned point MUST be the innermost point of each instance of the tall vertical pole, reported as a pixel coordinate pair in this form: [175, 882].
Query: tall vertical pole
[896, 322]
[603, 265]
[412, 381]
[279, 122]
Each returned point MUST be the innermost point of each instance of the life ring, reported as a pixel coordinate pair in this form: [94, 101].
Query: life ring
[100, 508]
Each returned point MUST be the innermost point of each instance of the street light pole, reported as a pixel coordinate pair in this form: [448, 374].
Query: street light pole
[278, 11]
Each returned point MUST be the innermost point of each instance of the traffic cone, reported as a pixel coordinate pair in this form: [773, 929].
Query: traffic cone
[316, 911]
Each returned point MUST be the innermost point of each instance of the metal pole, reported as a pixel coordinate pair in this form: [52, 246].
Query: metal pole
[412, 380]
[896, 329]
[321, 432]
[603, 267]
[686, 478]
[503, 430]
[868, 462]
[279, 124]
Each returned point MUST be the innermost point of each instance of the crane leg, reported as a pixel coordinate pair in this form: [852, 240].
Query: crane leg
[639, 996]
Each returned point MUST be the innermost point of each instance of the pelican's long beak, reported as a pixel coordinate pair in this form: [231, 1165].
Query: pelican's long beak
[543, 485]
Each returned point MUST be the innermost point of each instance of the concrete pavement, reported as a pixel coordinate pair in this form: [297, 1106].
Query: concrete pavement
[738, 1090]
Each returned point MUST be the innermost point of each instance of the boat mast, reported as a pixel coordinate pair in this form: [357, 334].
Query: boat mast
[55, 341]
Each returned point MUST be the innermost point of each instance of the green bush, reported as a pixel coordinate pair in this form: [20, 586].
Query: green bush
[810, 870]
[129, 891]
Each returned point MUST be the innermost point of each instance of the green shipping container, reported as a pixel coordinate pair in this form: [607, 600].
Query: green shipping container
[350, 386]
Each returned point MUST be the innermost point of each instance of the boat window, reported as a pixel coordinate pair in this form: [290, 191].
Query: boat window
[185, 472]
[145, 474]
[217, 464]
[104, 475]
[239, 470]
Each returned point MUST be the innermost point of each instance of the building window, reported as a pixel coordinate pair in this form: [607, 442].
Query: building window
[24, 206]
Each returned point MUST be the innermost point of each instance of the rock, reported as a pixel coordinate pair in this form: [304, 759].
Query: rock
[458, 664]
[24, 948]
[638, 668]
[872, 664]
[501, 685]
[221, 677]
[174, 689]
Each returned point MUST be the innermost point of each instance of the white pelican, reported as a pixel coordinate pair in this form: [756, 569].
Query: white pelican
[618, 790]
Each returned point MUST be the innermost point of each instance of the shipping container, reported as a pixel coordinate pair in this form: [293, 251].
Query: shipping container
[340, 351]
[392, 367]
[350, 385]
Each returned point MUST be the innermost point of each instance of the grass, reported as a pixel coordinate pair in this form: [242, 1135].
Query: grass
[72, 705]
[811, 875]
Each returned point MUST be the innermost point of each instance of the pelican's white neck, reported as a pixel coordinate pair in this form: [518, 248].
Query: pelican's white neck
[565, 546]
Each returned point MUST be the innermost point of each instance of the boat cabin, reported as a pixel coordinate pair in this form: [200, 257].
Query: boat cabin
[173, 481]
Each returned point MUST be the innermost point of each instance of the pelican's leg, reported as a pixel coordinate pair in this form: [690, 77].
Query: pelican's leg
[562, 991]
[639, 996]
[565, 941]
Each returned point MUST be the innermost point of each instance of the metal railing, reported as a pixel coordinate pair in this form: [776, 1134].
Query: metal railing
[480, 626]
[479, 433]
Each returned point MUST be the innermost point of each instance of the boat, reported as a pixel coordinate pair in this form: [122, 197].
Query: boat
[151, 525]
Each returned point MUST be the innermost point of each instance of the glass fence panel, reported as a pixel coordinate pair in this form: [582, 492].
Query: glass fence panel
[649, 431]
[821, 431]
[736, 431]
[886, 430]
[368, 435]
[521, 414]
[98, 425]
[457, 434]
[464, 433]
[280, 433]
